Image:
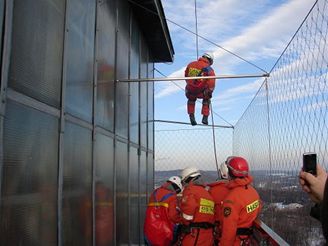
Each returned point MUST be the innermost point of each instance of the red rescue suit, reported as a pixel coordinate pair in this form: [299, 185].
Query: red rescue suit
[218, 190]
[240, 208]
[197, 208]
[161, 216]
[199, 88]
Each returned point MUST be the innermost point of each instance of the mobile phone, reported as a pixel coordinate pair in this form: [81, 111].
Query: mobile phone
[310, 162]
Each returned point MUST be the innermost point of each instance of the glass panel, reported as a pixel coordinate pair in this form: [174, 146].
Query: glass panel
[106, 20]
[121, 164]
[122, 89]
[134, 196]
[80, 53]
[77, 199]
[150, 174]
[104, 149]
[29, 183]
[143, 96]
[134, 87]
[2, 5]
[143, 190]
[151, 115]
[36, 49]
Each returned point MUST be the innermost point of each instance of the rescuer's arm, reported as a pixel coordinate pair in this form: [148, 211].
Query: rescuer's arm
[174, 213]
[188, 206]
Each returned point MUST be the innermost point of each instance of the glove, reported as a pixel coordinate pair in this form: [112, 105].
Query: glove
[207, 94]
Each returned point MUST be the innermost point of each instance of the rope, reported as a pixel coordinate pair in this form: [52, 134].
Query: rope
[197, 99]
[210, 104]
[214, 142]
[196, 29]
[211, 42]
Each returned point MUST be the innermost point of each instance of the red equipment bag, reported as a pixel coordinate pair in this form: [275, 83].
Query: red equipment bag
[158, 228]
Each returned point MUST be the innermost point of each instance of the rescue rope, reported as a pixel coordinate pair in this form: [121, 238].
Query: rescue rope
[231, 126]
[196, 27]
[214, 141]
[206, 39]
[210, 104]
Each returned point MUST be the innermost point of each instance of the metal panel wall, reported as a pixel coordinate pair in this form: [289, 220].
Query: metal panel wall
[134, 87]
[150, 109]
[143, 189]
[121, 166]
[80, 54]
[29, 181]
[2, 9]
[150, 174]
[37, 47]
[104, 193]
[77, 196]
[143, 95]
[106, 33]
[134, 196]
[59, 184]
[122, 70]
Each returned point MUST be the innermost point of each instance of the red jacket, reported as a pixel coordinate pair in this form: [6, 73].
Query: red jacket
[197, 205]
[199, 68]
[240, 208]
[161, 216]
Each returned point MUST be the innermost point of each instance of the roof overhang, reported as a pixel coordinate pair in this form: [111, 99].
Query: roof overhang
[151, 18]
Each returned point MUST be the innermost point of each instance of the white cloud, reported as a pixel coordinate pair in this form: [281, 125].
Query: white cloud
[265, 38]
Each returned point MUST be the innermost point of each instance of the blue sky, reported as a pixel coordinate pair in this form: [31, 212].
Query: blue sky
[257, 30]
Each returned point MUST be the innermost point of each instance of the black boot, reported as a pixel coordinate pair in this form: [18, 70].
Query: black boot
[205, 120]
[192, 119]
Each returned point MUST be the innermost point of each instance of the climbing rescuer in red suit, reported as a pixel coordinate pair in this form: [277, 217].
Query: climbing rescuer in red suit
[197, 210]
[219, 191]
[200, 88]
[241, 206]
[162, 215]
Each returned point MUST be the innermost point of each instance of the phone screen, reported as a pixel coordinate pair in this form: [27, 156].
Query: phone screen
[310, 163]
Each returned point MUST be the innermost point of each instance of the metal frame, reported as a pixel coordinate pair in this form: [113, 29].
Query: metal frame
[241, 76]
[6, 47]
[62, 130]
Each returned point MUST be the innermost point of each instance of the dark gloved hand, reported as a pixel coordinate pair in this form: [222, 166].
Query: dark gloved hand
[207, 94]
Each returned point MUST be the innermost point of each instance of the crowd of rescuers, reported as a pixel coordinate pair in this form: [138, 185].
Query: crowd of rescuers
[220, 213]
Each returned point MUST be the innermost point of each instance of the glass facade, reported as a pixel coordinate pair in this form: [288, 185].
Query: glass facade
[76, 163]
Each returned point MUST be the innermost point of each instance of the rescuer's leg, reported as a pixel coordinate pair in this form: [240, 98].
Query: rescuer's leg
[205, 111]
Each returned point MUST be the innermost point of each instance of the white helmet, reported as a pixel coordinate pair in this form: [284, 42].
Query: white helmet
[224, 171]
[209, 56]
[176, 180]
[189, 172]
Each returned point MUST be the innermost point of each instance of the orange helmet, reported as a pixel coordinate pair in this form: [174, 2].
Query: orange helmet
[238, 166]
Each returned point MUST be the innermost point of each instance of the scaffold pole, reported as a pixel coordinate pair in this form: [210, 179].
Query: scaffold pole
[196, 77]
[185, 123]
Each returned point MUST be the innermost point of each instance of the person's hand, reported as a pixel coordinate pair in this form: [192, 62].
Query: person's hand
[314, 185]
[207, 94]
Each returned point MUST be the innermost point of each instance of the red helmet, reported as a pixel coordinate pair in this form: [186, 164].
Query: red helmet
[238, 166]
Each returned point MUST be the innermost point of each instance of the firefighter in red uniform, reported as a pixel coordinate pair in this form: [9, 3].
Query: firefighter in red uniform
[241, 206]
[199, 88]
[197, 209]
[219, 191]
[162, 214]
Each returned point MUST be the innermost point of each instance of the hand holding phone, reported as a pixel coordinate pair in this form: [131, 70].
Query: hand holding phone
[310, 163]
